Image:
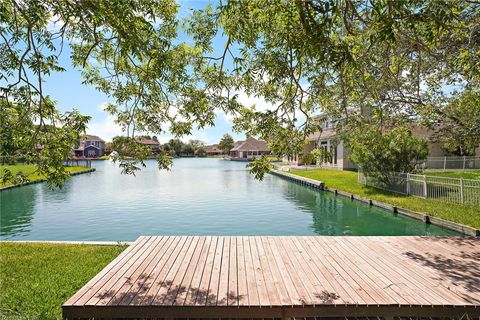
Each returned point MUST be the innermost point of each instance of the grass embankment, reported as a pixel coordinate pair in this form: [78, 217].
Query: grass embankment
[347, 181]
[36, 278]
[29, 171]
[467, 174]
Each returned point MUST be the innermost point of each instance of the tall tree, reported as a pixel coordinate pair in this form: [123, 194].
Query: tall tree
[382, 63]
[126, 49]
[374, 62]
[459, 132]
[226, 143]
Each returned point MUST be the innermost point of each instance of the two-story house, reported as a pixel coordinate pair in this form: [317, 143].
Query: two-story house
[90, 146]
[328, 140]
[153, 144]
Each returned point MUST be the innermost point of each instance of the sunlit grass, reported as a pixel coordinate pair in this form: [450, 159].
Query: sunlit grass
[466, 174]
[29, 170]
[36, 278]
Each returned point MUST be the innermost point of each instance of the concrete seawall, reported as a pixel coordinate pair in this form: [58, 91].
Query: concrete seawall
[466, 230]
[298, 179]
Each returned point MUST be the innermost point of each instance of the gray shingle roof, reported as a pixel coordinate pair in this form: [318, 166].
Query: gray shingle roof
[251, 144]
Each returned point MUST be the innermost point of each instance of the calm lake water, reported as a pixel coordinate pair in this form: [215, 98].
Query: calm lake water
[197, 197]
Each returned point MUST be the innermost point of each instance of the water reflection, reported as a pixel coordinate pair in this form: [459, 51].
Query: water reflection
[16, 210]
[197, 197]
[338, 215]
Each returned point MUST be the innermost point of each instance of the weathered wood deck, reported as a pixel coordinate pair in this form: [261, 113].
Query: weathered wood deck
[279, 277]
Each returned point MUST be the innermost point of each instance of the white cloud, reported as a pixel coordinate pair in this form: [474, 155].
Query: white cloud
[259, 102]
[105, 129]
[248, 101]
[102, 106]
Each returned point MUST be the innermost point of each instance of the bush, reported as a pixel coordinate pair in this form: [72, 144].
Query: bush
[379, 153]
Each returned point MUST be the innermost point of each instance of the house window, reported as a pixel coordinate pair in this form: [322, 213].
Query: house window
[333, 149]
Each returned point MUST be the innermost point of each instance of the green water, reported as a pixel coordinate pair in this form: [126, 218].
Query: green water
[197, 197]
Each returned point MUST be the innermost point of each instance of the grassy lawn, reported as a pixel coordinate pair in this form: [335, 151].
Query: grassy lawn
[29, 171]
[347, 181]
[35, 278]
[467, 174]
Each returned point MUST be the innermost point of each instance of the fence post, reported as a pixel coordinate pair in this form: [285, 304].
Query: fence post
[408, 183]
[461, 190]
[464, 163]
[444, 163]
[425, 186]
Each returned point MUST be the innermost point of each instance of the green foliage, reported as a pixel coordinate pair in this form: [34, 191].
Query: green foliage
[187, 150]
[379, 152]
[226, 143]
[123, 48]
[177, 147]
[108, 148]
[164, 161]
[201, 151]
[350, 59]
[20, 173]
[459, 131]
[320, 155]
[36, 278]
[9, 178]
[308, 158]
[465, 174]
[259, 166]
[129, 154]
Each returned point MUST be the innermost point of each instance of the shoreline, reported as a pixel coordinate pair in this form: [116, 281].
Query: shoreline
[42, 180]
[79, 242]
[427, 219]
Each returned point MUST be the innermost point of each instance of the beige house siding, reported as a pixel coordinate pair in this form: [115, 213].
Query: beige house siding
[435, 149]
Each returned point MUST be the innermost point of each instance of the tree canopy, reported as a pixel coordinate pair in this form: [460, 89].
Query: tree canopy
[226, 143]
[378, 63]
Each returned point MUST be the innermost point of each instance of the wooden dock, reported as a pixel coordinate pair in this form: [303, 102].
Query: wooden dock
[286, 277]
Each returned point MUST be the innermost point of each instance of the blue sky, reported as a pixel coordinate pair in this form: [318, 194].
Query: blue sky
[69, 92]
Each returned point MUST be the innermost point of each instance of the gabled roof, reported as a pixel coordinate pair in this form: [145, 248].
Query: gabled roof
[236, 144]
[91, 146]
[251, 144]
[89, 137]
[212, 148]
[325, 133]
[417, 130]
[149, 142]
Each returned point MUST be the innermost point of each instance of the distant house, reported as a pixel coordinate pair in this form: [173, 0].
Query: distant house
[152, 143]
[90, 146]
[249, 149]
[213, 150]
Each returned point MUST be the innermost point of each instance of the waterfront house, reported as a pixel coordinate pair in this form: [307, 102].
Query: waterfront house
[329, 140]
[213, 150]
[249, 149]
[152, 143]
[90, 146]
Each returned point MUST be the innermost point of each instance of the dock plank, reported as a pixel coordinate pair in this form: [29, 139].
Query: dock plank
[241, 274]
[280, 277]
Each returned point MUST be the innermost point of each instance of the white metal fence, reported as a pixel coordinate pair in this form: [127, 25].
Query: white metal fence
[446, 163]
[456, 190]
